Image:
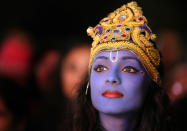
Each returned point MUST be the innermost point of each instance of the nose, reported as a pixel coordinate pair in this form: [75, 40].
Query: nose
[114, 82]
[113, 78]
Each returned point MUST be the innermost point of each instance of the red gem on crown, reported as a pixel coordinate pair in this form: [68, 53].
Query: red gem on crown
[140, 18]
[119, 25]
[105, 37]
[124, 35]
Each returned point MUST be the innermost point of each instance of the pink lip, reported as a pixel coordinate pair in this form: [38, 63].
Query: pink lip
[112, 94]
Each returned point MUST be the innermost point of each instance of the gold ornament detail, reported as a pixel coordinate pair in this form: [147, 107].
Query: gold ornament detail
[126, 28]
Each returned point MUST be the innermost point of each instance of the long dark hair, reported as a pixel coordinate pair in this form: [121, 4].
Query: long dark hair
[153, 116]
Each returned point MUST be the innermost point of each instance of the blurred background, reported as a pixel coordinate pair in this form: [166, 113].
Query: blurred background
[44, 51]
[53, 18]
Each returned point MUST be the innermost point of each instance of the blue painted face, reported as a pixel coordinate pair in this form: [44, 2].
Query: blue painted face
[118, 82]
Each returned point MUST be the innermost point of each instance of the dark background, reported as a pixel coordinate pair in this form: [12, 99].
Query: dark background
[49, 19]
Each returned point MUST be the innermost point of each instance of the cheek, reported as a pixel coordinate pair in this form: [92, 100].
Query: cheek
[97, 80]
[136, 87]
[69, 87]
[97, 85]
[67, 76]
[66, 80]
[133, 81]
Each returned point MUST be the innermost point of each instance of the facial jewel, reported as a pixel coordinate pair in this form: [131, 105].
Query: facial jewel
[112, 94]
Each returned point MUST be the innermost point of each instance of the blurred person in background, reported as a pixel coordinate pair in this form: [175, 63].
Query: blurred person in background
[170, 45]
[177, 91]
[173, 52]
[177, 83]
[44, 69]
[72, 70]
[16, 53]
[50, 95]
[58, 75]
[14, 106]
[47, 98]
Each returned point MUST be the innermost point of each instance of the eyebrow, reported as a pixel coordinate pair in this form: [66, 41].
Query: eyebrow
[101, 57]
[129, 57]
[123, 58]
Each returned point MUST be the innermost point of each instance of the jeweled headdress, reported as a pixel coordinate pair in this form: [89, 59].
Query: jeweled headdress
[126, 28]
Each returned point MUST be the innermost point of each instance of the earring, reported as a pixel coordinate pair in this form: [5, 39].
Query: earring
[87, 88]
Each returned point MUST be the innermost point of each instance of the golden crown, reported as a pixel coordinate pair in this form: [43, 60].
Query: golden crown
[126, 28]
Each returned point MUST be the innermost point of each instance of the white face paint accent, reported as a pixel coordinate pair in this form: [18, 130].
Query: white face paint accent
[114, 56]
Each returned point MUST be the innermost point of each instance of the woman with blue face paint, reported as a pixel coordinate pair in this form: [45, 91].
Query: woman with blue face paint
[124, 90]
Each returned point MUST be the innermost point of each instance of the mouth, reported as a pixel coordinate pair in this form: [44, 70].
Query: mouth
[112, 94]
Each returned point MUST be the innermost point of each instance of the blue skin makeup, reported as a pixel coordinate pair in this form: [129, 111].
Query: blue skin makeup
[118, 88]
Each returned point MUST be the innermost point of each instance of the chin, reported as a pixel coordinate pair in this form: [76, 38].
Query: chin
[117, 110]
[113, 110]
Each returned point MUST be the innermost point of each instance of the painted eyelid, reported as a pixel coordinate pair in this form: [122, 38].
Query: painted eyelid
[96, 66]
[137, 70]
[99, 65]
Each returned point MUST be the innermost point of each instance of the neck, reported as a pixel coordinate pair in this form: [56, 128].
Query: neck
[125, 122]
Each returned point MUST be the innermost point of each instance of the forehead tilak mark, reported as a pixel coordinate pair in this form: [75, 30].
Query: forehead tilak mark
[113, 56]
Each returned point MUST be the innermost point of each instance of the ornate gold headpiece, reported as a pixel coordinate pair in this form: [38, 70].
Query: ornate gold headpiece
[126, 28]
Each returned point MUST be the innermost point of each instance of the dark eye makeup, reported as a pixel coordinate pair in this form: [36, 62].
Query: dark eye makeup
[130, 69]
[126, 69]
[100, 68]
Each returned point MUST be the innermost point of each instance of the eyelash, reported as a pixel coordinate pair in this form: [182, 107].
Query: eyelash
[129, 69]
[100, 68]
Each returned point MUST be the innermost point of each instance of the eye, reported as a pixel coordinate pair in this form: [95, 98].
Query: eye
[129, 69]
[100, 68]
